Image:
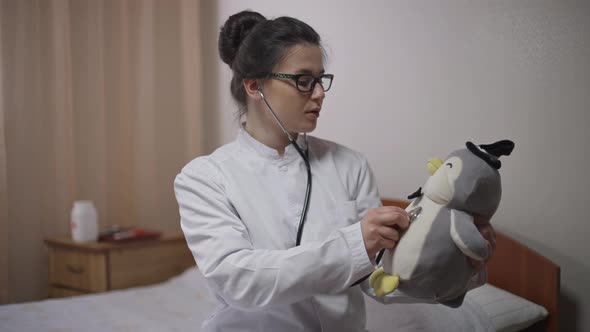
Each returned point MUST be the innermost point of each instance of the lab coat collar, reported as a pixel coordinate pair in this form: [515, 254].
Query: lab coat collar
[264, 151]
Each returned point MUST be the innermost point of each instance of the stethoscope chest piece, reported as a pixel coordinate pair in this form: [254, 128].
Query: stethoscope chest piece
[415, 213]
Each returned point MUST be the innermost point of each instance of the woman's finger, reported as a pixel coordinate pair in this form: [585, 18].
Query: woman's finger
[477, 265]
[388, 233]
[486, 230]
[388, 209]
[390, 219]
[488, 233]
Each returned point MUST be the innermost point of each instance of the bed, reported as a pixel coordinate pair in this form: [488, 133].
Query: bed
[522, 294]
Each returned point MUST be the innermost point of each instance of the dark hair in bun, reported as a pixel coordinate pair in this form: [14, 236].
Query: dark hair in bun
[233, 32]
[251, 45]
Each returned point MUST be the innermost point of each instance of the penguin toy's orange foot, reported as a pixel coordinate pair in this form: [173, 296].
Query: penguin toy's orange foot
[383, 283]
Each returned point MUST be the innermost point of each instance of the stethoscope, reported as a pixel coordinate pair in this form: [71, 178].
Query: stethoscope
[305, 155]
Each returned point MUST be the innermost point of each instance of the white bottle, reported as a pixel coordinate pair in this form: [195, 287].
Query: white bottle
[84, 225]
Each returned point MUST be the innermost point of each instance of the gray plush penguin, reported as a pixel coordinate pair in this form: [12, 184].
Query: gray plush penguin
[430, 260]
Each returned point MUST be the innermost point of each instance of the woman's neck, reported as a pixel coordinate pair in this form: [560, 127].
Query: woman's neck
[272, 137]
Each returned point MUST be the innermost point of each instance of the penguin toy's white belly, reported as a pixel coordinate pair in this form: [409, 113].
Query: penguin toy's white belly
[429, 264]
[407, 252]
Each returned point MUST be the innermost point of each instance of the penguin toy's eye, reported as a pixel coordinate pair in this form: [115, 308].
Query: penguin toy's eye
[453, 167]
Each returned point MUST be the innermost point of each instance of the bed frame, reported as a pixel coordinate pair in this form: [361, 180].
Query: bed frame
[523, 272]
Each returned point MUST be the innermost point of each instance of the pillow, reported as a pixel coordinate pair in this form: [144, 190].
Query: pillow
[426, 317]
[508, 312]
[486, 308]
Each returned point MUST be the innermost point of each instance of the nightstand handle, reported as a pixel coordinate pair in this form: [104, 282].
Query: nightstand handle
[77, 269]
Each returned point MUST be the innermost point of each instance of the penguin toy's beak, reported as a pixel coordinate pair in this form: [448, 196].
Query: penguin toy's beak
[433, 165]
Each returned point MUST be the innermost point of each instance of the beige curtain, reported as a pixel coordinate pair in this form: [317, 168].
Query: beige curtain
[99, 100]
[3, 191]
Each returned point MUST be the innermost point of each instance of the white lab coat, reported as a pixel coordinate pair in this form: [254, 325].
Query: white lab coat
[240, 209]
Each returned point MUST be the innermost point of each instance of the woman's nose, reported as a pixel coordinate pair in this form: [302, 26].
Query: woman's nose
[318, 92]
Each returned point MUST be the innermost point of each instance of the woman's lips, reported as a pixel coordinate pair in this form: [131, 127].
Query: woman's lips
[314, 114]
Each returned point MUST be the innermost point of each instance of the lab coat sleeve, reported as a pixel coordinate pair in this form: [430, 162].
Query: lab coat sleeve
[367, 197]
[249, 278]
[366, 193]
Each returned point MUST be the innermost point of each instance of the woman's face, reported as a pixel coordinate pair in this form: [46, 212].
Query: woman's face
[298, 111]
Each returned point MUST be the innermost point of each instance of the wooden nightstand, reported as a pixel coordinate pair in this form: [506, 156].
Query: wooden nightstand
[82, 268]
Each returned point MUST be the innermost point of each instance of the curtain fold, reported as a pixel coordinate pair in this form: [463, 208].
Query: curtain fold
[3, 187]
[99, 100]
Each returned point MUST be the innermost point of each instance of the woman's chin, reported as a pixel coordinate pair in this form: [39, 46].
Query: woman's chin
[308, 126]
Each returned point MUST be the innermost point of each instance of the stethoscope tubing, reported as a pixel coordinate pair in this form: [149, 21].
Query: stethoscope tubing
[304, 209]
[305, 156]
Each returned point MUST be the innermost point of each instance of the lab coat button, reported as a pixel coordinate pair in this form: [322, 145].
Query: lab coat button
[295, 210]
[283, 168]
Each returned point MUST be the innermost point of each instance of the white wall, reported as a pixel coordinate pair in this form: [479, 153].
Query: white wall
[415, 79]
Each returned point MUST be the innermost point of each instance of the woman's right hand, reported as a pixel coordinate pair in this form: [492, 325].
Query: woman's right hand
[381, 228]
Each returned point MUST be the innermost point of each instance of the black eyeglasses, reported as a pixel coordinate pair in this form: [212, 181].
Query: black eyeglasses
[305, 82]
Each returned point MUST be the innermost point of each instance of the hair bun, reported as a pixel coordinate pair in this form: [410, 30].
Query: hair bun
[233, 32]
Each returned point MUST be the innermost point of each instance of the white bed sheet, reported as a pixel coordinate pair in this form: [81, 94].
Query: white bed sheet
[183, 303]
[179, 304]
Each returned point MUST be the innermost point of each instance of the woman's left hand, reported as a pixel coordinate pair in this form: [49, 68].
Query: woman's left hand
[488, 233]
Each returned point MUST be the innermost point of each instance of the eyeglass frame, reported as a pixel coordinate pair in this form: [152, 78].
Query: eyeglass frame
[295, 78]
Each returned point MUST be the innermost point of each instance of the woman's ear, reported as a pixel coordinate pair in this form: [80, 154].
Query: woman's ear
[251, 86]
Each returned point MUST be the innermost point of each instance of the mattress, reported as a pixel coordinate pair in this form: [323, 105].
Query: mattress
[183, 303]
[179, 304]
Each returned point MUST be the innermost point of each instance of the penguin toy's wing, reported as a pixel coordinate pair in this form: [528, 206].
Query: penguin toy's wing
[467, 237]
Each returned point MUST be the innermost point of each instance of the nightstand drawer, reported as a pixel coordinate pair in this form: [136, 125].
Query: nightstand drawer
[147, 265]
[56, 291]
[84, 271]
[92, 267]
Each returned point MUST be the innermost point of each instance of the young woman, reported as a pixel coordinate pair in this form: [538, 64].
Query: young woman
[280, 253]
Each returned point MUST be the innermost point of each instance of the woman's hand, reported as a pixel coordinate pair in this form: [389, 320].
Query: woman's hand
[488, 233]
[381, 228]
